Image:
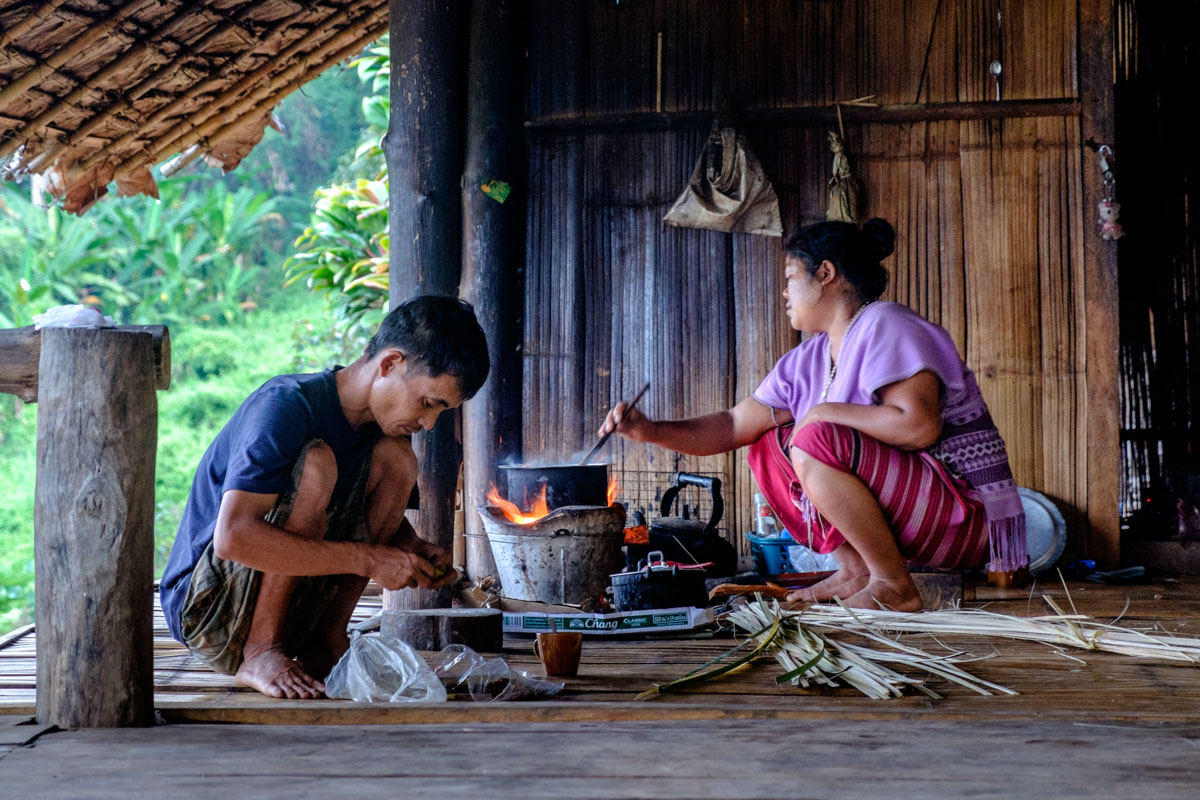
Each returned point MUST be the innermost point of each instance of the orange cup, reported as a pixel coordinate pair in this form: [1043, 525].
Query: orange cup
[559, 653]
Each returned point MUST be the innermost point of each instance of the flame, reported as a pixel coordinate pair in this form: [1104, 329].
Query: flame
[612, 490]
[538, 510]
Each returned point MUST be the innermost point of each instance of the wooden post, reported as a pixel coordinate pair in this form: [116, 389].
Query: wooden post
[20, 351]
[493, 250]
[94, 528]
[1101, 310]
[423, 149]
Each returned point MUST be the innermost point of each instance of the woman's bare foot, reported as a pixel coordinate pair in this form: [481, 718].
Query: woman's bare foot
[842, 583]
[275, 674]
[895, 594]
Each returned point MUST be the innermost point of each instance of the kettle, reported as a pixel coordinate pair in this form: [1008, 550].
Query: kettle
[688, 541]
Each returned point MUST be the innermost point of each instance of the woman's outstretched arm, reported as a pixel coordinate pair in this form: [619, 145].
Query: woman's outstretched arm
[699, 436]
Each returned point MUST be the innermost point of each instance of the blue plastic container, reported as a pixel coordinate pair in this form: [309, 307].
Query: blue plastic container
[771, 553]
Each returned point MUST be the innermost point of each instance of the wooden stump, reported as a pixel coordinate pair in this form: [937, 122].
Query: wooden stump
[433, 628]
[94, 528]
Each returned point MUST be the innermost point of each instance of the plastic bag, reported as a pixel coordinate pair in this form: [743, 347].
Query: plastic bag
[75, 316]
[806, 560]
[382, 670]
[489, 679]
[728, 190]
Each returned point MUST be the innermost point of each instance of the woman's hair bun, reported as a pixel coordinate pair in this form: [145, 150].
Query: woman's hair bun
[880, 232]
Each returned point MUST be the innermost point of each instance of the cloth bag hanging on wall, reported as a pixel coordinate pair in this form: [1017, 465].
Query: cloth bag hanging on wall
[728, 190]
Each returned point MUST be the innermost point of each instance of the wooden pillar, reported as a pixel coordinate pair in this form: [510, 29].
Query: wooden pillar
[94, 528]
[493, 252]
[423, 149]
[1101, 310]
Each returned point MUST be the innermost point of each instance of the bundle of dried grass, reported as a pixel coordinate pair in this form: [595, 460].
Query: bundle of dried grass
[810, 658]
[1059, 630]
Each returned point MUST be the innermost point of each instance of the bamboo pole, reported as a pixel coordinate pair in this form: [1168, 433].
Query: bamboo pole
[78, 45]
[29, 22]
[811, 115]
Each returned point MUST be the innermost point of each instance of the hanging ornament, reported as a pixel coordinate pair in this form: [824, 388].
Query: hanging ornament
[845, 191]
[1109, 209]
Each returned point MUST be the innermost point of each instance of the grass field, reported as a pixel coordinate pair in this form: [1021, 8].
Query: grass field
[213, 370]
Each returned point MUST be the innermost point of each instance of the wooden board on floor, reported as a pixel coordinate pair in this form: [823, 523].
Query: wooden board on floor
[655, 759]
[1075, 685]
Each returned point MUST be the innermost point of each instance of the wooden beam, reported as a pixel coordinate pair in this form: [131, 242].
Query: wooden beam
[94, 528]
[810, 115]
[1101, 310]
[424, 153]
[493, 241]
[20, 350]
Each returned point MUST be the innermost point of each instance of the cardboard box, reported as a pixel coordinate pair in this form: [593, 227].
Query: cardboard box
[618, 623]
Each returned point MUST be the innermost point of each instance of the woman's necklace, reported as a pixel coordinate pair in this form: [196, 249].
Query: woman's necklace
[830, 366]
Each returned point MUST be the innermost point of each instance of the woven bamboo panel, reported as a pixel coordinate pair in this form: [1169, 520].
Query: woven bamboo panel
[987, 213]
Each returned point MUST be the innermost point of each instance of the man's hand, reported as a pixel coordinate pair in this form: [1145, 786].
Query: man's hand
[441, 558]
[398, 568]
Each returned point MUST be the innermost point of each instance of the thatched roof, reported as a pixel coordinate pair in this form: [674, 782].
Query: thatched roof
[93, 91]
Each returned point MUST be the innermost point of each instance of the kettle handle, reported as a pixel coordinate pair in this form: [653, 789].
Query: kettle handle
[713, 485]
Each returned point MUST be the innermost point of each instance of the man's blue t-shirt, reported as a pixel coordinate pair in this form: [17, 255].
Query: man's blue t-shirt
[256, 451]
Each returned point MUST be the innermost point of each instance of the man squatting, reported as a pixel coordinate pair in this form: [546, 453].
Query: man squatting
[300, 500]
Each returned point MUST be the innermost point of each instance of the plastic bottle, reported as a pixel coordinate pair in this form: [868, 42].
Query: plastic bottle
[765, 524]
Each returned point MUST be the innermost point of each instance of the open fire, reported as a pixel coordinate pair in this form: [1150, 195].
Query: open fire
[538, 508]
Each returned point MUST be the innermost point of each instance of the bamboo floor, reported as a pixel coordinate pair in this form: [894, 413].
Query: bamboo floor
[613, 671]
[1111, 726]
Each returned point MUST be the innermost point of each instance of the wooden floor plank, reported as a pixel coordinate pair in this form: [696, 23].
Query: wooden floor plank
[1104, 685]
[653, 759]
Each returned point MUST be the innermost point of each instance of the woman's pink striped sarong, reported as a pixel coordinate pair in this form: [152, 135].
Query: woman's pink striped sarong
[938, 519]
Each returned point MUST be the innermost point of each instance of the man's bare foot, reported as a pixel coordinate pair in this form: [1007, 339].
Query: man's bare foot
[318, 655]
[842, 583]
[275, 674]
[895, 594]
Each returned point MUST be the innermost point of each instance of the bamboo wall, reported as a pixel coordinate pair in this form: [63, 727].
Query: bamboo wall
[988, 212]
[1157, 166]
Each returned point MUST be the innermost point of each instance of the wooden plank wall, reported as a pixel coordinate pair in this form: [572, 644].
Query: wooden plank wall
[988, 212]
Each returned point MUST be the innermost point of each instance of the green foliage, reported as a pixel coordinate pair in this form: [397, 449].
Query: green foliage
[344, 252]
[48, 257]
[375, 68]
[194, 255]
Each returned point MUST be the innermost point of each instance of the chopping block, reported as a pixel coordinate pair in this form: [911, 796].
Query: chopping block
[938, 588]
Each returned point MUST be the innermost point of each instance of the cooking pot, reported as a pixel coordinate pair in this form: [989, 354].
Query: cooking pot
[658, 584]
[566, 484]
